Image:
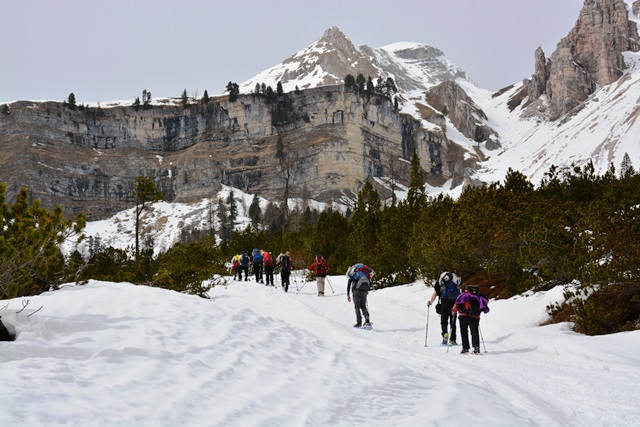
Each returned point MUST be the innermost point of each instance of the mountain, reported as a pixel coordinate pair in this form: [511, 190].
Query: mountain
[580, 104]
[414, 67]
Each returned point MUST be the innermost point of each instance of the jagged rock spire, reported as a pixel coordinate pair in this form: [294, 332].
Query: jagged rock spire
[588, 57]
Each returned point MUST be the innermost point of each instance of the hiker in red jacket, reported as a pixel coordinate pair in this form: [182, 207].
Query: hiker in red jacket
[320, 268]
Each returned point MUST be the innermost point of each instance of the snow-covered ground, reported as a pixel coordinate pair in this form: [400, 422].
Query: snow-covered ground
[107, 354]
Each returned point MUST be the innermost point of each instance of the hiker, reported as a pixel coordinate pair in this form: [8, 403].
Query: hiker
[447, 289]
[235, 267]
[360, 278]
[286, 265]
[257, 265]
[244, 266]
[470, 304]
[320, 268]
[269, 266]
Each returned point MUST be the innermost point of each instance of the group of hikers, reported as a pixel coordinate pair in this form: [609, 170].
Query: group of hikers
[263, 266]
[467, 305]
[453, 302]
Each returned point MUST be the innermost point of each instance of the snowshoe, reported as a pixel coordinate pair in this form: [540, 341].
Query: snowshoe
[368, 326]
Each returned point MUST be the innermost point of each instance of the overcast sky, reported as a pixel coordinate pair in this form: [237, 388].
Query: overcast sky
[105, 50]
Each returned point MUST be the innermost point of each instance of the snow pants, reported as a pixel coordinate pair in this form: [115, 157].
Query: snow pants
[469, 323]
[284, 275]
[257, 269]
[447, 319]
[320, 284]
[360, 304]
[268, 272]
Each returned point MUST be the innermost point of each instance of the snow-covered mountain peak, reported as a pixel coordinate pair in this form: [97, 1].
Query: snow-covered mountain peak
[413, 66]
[325, 62]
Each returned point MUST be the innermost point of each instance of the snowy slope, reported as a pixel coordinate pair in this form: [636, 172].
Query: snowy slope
[162, 222]
[108, 354]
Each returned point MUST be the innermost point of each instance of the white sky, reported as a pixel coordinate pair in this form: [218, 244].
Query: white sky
[112, 50]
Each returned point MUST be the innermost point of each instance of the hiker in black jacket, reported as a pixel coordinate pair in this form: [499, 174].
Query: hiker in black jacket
[447, 288]
[286, 265]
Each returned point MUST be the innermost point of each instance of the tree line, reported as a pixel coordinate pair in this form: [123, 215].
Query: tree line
[575, 228]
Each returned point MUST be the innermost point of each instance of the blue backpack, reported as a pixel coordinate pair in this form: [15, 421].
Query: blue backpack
[361, 275]
[449, 286]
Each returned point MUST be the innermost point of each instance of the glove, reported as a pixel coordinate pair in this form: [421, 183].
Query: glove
[348, 298]
[429, 304]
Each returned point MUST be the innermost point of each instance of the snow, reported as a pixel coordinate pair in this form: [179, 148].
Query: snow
[107, 354]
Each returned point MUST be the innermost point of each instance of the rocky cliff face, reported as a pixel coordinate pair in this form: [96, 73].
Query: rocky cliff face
[87, 159]
[588, 57]
[463, 112]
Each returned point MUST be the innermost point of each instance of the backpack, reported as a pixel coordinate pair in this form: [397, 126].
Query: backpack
[472, 307]
[244, 260]
[321, 267]
[361, 276]
[268, 261]
[449, 286]
[285, 263]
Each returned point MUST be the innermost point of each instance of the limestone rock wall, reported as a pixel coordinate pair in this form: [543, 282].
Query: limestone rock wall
[87, 159]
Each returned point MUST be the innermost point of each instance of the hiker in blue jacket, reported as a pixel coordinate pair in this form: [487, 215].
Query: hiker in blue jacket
[244, 266]
[257, 265]
[360, 278]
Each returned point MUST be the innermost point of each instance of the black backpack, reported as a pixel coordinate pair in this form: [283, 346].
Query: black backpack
[285, 263]
[472, 308]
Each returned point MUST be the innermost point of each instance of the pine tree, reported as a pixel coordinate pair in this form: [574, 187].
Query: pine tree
[232, 204]
[144, 192]
[350, 82]
[626, 167]
[360, 82]
[279, 90]
[255, 212]
[234, 91]
[71, 101]
[30, 258]
[370, 87]
[205, 97]
[184, 98]
[225, 231]
[365, 223]
[416, 196]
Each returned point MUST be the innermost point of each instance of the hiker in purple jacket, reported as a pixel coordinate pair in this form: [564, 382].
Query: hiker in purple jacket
[469, 305]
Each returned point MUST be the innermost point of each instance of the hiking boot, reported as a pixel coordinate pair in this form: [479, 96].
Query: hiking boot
[357, 325]
[465, 351]
[453, 342]
[366, 320]
[445, 341]
[476, 350]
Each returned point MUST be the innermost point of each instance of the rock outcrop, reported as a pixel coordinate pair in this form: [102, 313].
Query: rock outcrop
[588, 57]
[464, 114]
[88, 158]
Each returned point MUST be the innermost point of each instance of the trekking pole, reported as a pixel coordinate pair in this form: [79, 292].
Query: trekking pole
[300, 287]
[426, 333]
[327, 279]
[482, 338]
[452, 325]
